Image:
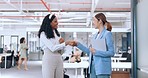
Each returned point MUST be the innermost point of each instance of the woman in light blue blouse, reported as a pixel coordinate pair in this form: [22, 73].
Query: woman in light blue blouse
[100, 61]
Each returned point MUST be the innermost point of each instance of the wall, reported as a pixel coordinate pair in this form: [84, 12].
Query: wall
[20, 32]
[142, 43]
[9, 32]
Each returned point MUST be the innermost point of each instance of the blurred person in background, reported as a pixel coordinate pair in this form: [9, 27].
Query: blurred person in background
[22, 54]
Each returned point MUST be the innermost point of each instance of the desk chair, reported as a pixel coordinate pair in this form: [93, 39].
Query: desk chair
[9, 61]
[125, 54]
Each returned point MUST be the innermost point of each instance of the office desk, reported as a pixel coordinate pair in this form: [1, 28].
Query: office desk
[118, 55]
[114, 59]
[122, 65]
[84, 58]
[5, 55]
[76, 66]
[85, 64]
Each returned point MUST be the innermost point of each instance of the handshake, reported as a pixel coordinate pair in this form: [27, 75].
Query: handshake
[70, 42]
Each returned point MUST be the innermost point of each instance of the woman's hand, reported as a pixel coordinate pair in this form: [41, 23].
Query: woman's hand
[61, 40]
[92, 50]
[73, 43]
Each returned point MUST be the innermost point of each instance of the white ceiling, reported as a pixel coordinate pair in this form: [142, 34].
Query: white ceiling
[71, 13]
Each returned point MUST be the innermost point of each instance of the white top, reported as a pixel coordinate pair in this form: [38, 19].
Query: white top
[52, 43]
[97, 36]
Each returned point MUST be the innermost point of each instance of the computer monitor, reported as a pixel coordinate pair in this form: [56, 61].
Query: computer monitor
[1, 50]
[8, 51]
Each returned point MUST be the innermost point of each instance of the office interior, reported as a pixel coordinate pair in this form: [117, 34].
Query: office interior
[22, 18]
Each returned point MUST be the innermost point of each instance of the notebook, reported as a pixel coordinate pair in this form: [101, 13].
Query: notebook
[98, 44]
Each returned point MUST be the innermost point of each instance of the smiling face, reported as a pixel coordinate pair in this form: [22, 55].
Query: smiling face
[54, 23]
[24, 41]
[96, 22]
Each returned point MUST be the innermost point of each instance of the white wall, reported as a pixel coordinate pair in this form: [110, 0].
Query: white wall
[9, 32]
[20, 32]
[142, 30]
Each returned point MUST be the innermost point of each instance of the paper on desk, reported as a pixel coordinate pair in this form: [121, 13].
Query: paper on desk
[98, 44]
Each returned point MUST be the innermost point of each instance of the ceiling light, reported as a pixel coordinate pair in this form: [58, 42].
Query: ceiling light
[116, 14]
[122, 3]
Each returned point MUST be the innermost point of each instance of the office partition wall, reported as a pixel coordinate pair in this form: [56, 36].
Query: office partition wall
[11, 41]
[142, 38]
[2, 41]
[34, 51]
[14, 43]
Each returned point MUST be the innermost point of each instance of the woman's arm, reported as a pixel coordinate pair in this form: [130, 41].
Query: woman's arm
[48, 43]
[83, 48]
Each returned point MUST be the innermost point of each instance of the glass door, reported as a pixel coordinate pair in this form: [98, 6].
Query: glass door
[34, 50]
[14, 43]
[2, 41]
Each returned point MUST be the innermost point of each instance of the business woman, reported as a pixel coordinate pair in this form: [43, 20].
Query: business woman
[23, 54]
[100, 61]
[53, 46]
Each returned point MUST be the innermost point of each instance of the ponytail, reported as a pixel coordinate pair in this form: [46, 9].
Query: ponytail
[108, 26]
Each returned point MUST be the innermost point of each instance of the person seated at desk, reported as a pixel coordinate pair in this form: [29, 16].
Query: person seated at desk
[5, 48]
[128, 56]
[124, 54]
[76, 56]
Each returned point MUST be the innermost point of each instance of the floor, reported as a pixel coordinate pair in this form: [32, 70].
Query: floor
[33, 72]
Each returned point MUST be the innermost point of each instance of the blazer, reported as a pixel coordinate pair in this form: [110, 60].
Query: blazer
[102, 59]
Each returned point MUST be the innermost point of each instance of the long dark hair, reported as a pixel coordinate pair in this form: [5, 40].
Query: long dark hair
[46, 27]
[22, 40]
